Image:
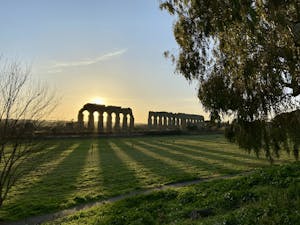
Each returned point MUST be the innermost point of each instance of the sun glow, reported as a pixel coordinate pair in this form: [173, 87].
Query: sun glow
[99, 101]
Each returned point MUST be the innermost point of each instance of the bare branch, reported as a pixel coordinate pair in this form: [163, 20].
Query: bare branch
[22, 101]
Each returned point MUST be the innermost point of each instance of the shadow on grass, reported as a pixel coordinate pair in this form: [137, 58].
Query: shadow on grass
[146, 177]
[285, 157]
[221, 156]
[117, 177]
[47, 152]
[211, 168]
[207, 138]
[224, 144]
[171, 173]
[51, 191]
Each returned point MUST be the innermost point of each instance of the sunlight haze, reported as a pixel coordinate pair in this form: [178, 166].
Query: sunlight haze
[104, 52]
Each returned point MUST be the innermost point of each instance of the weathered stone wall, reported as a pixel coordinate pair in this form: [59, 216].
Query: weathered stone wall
[101, 109]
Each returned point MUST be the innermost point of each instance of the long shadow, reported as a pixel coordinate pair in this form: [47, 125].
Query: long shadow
[211, 149]
[117, 177]
[211, 138]
[169, 172]
[218, 156]
[246, 153]
[36, 165]
[51, 191]
[50, 152]
[33, 167]
[206, 138]
[146, 177]
[205, 152]
[182, 165]
[199, 163]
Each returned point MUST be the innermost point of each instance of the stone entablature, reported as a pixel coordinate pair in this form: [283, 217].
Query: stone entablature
[168, 120]
[101, 109]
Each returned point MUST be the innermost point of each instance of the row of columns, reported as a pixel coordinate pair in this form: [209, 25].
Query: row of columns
[166, 120]
[91, 108]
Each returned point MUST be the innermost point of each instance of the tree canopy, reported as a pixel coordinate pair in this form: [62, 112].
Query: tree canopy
[246, 56]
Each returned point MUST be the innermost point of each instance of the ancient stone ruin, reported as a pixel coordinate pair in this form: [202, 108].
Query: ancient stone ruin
[108, 110]
[167, 120]
[120, 119]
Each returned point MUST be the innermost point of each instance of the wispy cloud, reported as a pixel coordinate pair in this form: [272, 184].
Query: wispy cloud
[54, 71]
[86, 62]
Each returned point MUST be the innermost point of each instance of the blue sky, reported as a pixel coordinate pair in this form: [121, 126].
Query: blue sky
[107, 50]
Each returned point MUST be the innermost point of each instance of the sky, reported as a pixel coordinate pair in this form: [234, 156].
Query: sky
[100, 51]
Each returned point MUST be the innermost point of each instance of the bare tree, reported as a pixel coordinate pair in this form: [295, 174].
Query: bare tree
[23, 106]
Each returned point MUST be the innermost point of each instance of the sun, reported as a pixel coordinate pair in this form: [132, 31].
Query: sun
[98, 100]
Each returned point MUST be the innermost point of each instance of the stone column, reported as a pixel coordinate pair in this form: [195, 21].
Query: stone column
[177, 121]
[100, 122]
[109, 122]
[159, 121]
[165, 121]
[183, 122]
[150, 120]
[169, 121]
[124, 126]
[155, 120]
[131, 123]
[173, 121]
[91, 125]
[117, 122]
[80, 120]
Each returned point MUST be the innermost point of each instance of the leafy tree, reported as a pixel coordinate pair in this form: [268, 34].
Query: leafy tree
[23, 105]
[215, 118]
[246, 56]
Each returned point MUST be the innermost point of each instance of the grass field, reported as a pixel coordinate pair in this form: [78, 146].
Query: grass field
[269, 196]
[82, 170]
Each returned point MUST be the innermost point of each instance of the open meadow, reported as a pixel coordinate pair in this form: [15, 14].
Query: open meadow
[75, 171]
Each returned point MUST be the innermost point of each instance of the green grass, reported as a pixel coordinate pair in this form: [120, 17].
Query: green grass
[270, 196]
[82, 170]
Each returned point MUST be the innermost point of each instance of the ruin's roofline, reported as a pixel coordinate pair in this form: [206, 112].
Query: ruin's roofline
[110, 108]
[174, 114]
